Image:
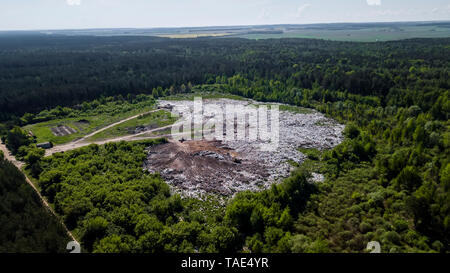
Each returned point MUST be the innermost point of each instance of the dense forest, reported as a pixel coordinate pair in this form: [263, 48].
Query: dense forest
[26, 227]
[388, 181]
[37, 71]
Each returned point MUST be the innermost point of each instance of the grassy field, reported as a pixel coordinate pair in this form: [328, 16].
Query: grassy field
[355, 32]
[151, 120]
[192, 35]
[86, 122]
[380, 34]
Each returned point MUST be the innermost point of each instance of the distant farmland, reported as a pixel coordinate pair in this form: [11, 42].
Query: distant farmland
[360, 32]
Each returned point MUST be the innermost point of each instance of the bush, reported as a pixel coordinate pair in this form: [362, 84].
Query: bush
[255, 243]
[319, 246]
[351, 131]
[437, 245]
[408, 179]
[391, 237]
[115, 244]
[95, 229]
[17, 138]
[365, 227]
[300, 243]
[400, 225]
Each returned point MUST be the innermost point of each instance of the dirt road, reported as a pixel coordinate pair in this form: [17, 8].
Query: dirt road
[80, 143]
[19, 165]
[112, 125]
[10, 157]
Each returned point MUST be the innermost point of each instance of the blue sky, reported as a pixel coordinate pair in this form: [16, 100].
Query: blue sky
[69, 14]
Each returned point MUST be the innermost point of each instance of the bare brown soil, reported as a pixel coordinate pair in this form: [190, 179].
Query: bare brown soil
[202, 166]
[199, 168]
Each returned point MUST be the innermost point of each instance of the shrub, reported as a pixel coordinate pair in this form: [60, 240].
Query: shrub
[391, 237]
[365, 227]
[351, 131]
[300, 243]
[400, 225]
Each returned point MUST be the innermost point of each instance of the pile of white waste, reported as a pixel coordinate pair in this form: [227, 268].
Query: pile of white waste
[299, 129]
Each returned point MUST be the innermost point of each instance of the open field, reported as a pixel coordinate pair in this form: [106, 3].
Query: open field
[193, 35]
[82, 125]
[369, 34]
[142, 123]
[357, 32]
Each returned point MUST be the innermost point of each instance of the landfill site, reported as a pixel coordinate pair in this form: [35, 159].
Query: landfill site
[224, 167]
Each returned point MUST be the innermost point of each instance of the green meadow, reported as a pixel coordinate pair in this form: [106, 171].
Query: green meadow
[151, 120]
[372, 34]
[85, 121]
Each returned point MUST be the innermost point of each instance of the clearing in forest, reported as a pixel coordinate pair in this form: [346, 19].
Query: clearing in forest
[79, 123]
[198, 167]
[140, 124]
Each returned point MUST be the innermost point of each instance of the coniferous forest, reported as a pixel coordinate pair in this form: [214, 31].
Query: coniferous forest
[26, 225]
[388, 181]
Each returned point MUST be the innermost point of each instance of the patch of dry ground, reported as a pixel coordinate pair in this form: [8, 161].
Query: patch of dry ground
[203, 166]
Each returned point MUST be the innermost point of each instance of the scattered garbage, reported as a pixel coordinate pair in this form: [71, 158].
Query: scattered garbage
[198, 167]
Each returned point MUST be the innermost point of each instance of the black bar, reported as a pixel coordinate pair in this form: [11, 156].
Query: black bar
[222, 262]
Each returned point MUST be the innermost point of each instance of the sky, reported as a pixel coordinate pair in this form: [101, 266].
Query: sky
[82, 14]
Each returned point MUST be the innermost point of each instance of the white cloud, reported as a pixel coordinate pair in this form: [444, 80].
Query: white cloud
[73, 2]
[302, 9]
[374, 2]
[264, 15]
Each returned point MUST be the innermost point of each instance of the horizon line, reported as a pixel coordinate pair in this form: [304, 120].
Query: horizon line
[218, 26]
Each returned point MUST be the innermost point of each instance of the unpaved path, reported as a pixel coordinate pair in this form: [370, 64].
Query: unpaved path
[112, 125]
[19, 165]
[78, 144]
[10, 157]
